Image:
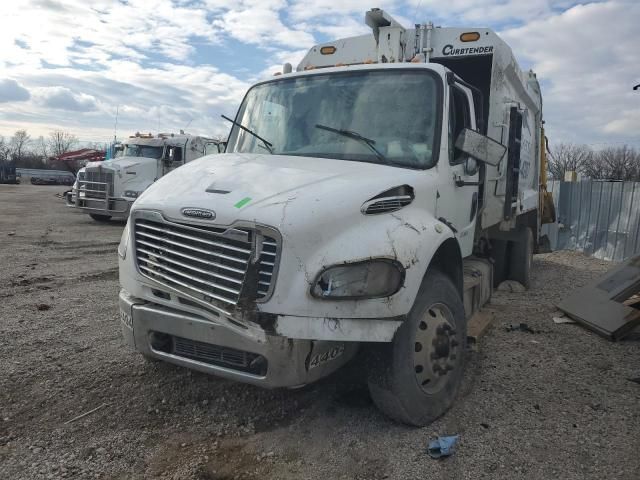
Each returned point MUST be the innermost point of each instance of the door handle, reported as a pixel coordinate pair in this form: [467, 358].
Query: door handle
[462, 183]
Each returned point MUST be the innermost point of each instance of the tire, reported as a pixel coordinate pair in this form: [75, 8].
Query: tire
[521, 258]
[406, 382]
[499, 254]
[100, 218]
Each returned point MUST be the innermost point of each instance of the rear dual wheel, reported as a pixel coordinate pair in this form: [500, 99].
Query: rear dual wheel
[415, 379]
[512, 259]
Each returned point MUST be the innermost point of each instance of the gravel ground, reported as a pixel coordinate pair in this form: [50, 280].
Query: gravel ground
[553, 404]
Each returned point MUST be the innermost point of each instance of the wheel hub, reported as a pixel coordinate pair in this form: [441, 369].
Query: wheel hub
[436, 348]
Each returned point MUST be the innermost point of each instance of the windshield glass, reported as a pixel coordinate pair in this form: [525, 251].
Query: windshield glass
[343, 116]
[140, 151]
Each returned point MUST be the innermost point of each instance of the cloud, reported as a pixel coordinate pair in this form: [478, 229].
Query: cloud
[587, 57]
[488, 13]
[163, 64]
[329, 11]
[12, 91]
[258, 22]
[64, 99]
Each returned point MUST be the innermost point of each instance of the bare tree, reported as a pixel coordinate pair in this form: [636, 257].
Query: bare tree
[567, 157]
[42, 148]
[19, 143]
[60, 142]
[621, 163]
[5, 149]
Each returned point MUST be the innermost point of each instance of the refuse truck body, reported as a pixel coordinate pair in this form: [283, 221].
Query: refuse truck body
[368, 201]
[107, 189]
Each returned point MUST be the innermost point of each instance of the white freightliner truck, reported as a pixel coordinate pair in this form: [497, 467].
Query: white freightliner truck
[107, 189]
[370, 200]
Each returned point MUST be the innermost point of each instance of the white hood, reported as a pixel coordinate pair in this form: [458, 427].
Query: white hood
[260, 187]
[123, 163]
[314, 203]
[131, 173]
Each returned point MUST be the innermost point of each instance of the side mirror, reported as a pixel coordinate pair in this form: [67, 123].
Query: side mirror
[480, 147]
[169, 154]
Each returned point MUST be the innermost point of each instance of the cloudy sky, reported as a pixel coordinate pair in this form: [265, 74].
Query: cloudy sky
[169, 64]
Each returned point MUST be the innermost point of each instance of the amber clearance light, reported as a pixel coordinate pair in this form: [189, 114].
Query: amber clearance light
[329, 50]
[470, 37]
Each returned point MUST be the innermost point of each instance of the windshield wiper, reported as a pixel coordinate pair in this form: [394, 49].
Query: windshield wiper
[356, 136]
[268, 145]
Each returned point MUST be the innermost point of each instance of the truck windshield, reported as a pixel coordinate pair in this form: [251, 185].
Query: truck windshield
[141, 151]
[386, 117]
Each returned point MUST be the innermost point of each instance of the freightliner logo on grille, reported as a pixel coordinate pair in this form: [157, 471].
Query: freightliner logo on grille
[199, 213]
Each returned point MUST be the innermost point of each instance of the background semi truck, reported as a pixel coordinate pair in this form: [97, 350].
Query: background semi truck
[8, 171]
[107, 189]
[369, 200]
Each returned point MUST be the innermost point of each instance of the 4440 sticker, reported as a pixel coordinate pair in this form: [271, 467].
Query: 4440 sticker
[326, 356]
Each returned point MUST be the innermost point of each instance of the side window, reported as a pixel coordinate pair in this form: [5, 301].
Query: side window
[210, 148]
[459, 118]
[176, 159]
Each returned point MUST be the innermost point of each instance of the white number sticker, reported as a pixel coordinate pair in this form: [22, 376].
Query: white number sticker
[326, 356]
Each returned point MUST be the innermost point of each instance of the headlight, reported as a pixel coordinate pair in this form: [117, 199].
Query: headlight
[124, 242]
[370, 279]
[131, 193]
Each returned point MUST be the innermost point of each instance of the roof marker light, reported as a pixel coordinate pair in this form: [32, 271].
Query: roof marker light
[328, 50]
[470, 37]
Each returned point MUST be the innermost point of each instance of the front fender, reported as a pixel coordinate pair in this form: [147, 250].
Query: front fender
[410, 236]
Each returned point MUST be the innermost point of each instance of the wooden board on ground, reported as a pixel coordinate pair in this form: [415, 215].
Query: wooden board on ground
[603, 306]
[478, 325]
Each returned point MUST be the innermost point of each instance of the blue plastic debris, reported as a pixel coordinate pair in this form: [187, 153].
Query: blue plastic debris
[442, 446]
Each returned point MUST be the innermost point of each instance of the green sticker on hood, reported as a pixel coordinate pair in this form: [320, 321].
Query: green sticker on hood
[242, 202]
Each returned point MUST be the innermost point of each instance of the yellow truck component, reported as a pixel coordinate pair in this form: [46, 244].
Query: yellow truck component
[547, 208]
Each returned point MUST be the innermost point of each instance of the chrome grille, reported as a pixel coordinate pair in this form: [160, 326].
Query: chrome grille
[203, 261]
[96, 183]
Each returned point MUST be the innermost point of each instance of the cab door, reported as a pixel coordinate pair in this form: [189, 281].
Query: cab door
[458, 202]
[174, 157]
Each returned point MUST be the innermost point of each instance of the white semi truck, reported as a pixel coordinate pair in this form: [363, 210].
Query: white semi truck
[107, 189]
[368, 200]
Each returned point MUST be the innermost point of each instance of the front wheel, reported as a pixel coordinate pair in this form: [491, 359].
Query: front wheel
[100, 218]
[415, 379]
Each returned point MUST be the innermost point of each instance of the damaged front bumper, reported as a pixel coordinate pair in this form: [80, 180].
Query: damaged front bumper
[199, 343]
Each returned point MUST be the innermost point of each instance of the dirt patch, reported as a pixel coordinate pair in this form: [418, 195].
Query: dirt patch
[111, 274]
[24, 282]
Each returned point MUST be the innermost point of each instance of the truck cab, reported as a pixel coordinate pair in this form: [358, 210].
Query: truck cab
[362, 203]
[107, 189]
[8, 171]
